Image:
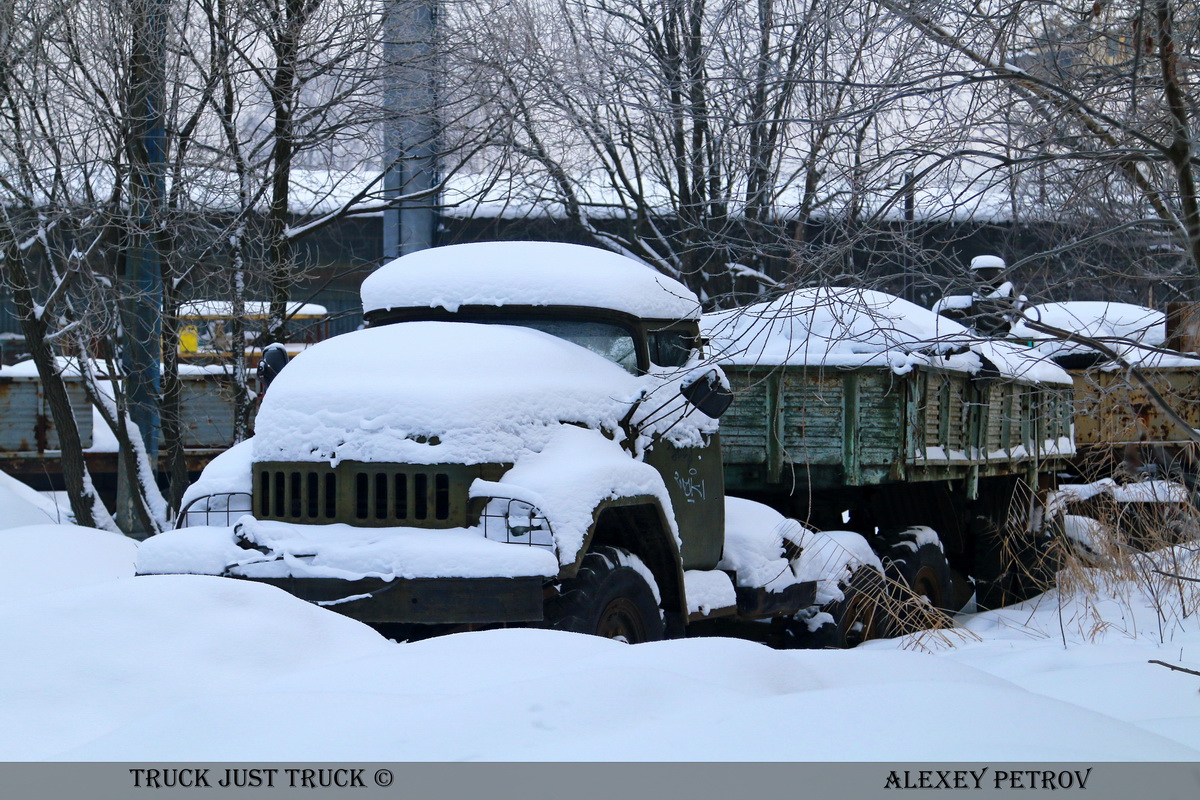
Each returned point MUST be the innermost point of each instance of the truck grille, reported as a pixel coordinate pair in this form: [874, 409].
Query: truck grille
[373, 495]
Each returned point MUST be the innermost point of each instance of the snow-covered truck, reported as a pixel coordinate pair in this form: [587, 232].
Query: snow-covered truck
[525, 433]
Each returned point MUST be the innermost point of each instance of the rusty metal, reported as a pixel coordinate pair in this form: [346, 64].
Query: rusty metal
[1183, 327]
[26, 425]
[1111, 410]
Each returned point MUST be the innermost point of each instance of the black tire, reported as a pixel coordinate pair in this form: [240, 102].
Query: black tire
[917, 568]
[861, 613]
[1011, 562]
[607, 598]
[858, 617]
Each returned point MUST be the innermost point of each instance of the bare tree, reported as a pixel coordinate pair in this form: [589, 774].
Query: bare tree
[271, 128]
[1087, 110]
[698, 137]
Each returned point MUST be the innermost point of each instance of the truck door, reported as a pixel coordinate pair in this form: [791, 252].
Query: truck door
[696, 485]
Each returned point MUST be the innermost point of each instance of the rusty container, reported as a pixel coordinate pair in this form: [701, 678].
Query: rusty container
[26, 425]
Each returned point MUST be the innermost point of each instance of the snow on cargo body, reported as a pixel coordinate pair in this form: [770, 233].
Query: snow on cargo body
[860, 387]
[1119, 422]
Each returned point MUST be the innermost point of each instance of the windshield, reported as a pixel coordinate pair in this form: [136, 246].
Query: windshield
[603, 338]
[606, 339]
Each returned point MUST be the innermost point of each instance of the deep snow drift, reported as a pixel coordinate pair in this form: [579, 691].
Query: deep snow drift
[105, 666]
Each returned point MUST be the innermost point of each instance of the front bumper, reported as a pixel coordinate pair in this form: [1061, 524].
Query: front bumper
[422, 601]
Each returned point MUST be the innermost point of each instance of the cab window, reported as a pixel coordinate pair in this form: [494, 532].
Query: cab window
[670, 348]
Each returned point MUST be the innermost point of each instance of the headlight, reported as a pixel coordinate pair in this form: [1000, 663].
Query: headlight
[517, 522]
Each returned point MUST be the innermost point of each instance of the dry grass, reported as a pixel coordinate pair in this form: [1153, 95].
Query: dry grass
[1128, 552]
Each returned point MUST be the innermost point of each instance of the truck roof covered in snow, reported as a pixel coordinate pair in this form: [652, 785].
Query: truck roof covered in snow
[1134, 332]
[526, 274]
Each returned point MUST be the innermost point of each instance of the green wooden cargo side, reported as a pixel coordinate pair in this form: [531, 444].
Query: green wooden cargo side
[830, 428]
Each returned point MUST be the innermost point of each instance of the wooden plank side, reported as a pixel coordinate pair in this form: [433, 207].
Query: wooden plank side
[881, 417]
[811, 416]
[744, 425]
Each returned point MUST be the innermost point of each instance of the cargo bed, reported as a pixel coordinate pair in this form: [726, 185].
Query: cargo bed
[827, 428]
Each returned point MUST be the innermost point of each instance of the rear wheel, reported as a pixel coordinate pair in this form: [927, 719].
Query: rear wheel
[913, 560]
[856, 618]
[860, 615]
[612, 596]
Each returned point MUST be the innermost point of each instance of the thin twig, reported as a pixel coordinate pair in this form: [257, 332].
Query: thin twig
[1173, 575]
[1177, 669]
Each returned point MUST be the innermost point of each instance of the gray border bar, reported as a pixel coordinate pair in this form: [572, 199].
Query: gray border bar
[600, 781]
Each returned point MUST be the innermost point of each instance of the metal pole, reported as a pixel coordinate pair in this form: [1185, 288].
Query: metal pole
[412, 129]
[142, 317]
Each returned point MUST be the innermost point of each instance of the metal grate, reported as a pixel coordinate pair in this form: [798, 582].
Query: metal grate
[361, 494]
[297, 494]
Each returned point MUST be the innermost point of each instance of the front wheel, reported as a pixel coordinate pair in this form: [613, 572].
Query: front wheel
[613, 595]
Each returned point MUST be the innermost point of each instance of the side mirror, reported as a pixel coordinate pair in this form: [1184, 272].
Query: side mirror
[708, 394]
[274, 359]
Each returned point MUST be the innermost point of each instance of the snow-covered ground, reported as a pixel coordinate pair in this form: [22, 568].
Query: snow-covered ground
[101, 665]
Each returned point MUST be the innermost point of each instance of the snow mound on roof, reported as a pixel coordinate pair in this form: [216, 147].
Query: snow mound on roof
[529, 274]
[848, 327]
[1097, 320]
[251, 308]
[436, 392]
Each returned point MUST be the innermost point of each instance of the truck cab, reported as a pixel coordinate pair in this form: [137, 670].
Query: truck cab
[519, 436]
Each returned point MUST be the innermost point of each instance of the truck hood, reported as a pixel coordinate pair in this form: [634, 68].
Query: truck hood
[437, 392]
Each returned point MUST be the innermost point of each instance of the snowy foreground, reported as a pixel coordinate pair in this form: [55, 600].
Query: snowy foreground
[101, 666]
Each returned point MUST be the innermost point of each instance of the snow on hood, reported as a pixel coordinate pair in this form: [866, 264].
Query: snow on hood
[436, 392]
[848, 327]
[528, 274]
